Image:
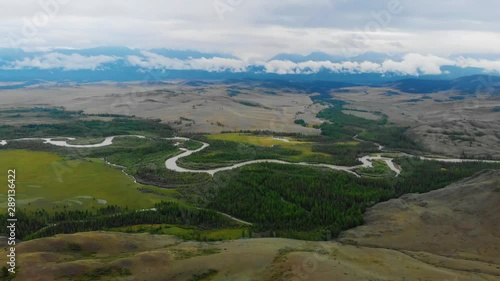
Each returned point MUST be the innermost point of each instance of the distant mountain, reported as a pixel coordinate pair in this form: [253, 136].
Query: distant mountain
[121, 64]
[320, 56]
[101, 51]
[9, 55]
[465, 85]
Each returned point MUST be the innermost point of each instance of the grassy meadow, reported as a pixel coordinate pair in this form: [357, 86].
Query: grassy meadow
[48, 181]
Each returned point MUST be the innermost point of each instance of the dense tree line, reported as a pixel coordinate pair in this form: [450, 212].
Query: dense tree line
[281, 198]
[306, 203]
[75, 127]
[220, 153]
[160, 176]
[52, 112]
[342, 127]
[420, 176]
[40, 223]
[347, 154]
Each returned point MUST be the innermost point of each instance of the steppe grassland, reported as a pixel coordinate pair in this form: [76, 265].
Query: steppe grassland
[435, 119]
[207, 109]
[264, 259]
[48, 181]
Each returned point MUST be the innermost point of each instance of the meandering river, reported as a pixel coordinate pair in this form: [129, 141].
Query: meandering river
[171, 163]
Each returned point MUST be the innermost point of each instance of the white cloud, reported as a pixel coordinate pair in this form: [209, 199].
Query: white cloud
[280, 67]
[66, 62]
[488, 65]
[410, 64]
[217, 64]
[154, 61]
[416, 64]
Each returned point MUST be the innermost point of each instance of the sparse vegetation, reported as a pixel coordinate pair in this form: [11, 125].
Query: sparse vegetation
[392, 93]
[252, 104]
[234, 93]
[104, 272]
[379, 169]
[74, 247]
[204, 276]
[301, 122]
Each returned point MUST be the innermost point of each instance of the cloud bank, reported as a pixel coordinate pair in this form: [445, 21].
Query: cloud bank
[154, 61]
[410, 64]
[61, 61]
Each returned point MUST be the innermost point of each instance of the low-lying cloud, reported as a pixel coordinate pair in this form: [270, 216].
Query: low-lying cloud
[410, 64]
[216, 64]
[62, 61]
[488, 65]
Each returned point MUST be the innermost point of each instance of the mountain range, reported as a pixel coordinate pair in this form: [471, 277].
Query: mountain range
[128, 64]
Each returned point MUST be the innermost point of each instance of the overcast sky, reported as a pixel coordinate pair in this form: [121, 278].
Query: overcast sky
[257, 29]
